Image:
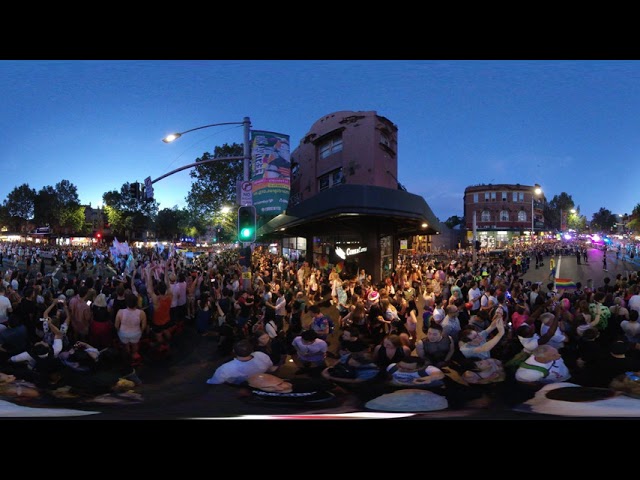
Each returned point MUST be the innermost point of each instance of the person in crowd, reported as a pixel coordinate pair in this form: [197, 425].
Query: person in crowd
[320, 323]
[483, 371]
[131, 323]
[451, 324]
[545, 365]
[14, 339]
[415, 372]
[478, 344]
[390, 350]
[5, 308]
[350, 342]
[631, 328]
[615, 361]
[275, 347]
[353, 368]
[161, 307]
[101, 329]
[310, 352]
[246, 362]
[436, 347]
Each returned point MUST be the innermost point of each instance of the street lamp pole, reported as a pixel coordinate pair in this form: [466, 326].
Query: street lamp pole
[536, 191]
[246, 153]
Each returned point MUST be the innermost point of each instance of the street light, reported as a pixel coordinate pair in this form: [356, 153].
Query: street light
[246, 123]
[536, 191]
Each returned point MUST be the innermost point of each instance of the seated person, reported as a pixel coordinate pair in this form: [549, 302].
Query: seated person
[482, 371]
[353, 368]
[545, 365]
[247, 362]
[350, 342]
[311, 352]
[415, 372]
[266, 386]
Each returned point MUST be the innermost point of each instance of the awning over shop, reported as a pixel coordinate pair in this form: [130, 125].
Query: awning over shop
[354, 207]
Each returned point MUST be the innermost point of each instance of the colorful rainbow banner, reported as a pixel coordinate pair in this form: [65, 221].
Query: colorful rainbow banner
[565, 283]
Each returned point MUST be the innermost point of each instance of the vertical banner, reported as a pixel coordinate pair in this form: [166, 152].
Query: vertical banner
[270, 172]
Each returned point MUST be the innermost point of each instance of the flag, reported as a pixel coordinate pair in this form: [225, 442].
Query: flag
[565, 284]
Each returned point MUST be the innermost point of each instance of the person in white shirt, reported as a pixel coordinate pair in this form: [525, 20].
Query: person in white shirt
[545, 365]
[247, 362]
[634, 300]
[5, 308]
[474, 295]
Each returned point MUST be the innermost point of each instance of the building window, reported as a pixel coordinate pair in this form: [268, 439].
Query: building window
[493, 196]
[331, 146]
[330, 179]
[522, 216]
[486, 196]
[521, 196]
[295, 198]
[385, 140]
[486, 216]
[295, 171]
[504, 196]
[504, 216]
[515, 196]
[475, 198]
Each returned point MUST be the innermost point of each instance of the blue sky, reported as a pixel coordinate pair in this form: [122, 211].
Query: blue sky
[571, 126]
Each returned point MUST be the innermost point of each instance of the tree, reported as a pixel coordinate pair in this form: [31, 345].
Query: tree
[575, 221]
[603, 220]
[20, 204]
[171, 223]
[633, 222]
[46, 207]
[74, 219]
[215, 183]
[558, 205]
[127, 214]
[454, 221]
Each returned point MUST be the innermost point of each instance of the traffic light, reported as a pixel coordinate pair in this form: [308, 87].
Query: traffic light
[134, 190]
[247, 224]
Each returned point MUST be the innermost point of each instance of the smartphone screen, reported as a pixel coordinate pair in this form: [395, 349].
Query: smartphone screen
[89, 302]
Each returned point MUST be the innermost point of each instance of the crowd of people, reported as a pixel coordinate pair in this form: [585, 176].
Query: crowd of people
[85, 318]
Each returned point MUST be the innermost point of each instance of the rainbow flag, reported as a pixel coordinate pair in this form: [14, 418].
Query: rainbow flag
[565, 284]
[340, 267]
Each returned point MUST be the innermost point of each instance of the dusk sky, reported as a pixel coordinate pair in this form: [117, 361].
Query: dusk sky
[571, 126]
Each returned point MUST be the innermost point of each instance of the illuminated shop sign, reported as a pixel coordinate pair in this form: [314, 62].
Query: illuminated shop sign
[347, 252]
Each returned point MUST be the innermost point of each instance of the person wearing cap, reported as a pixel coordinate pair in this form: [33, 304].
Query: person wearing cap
[101, 329]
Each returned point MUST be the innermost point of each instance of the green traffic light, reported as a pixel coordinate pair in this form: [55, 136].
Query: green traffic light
[245, 233]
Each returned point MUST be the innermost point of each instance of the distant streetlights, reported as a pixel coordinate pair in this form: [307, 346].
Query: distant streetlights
[536, 191]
